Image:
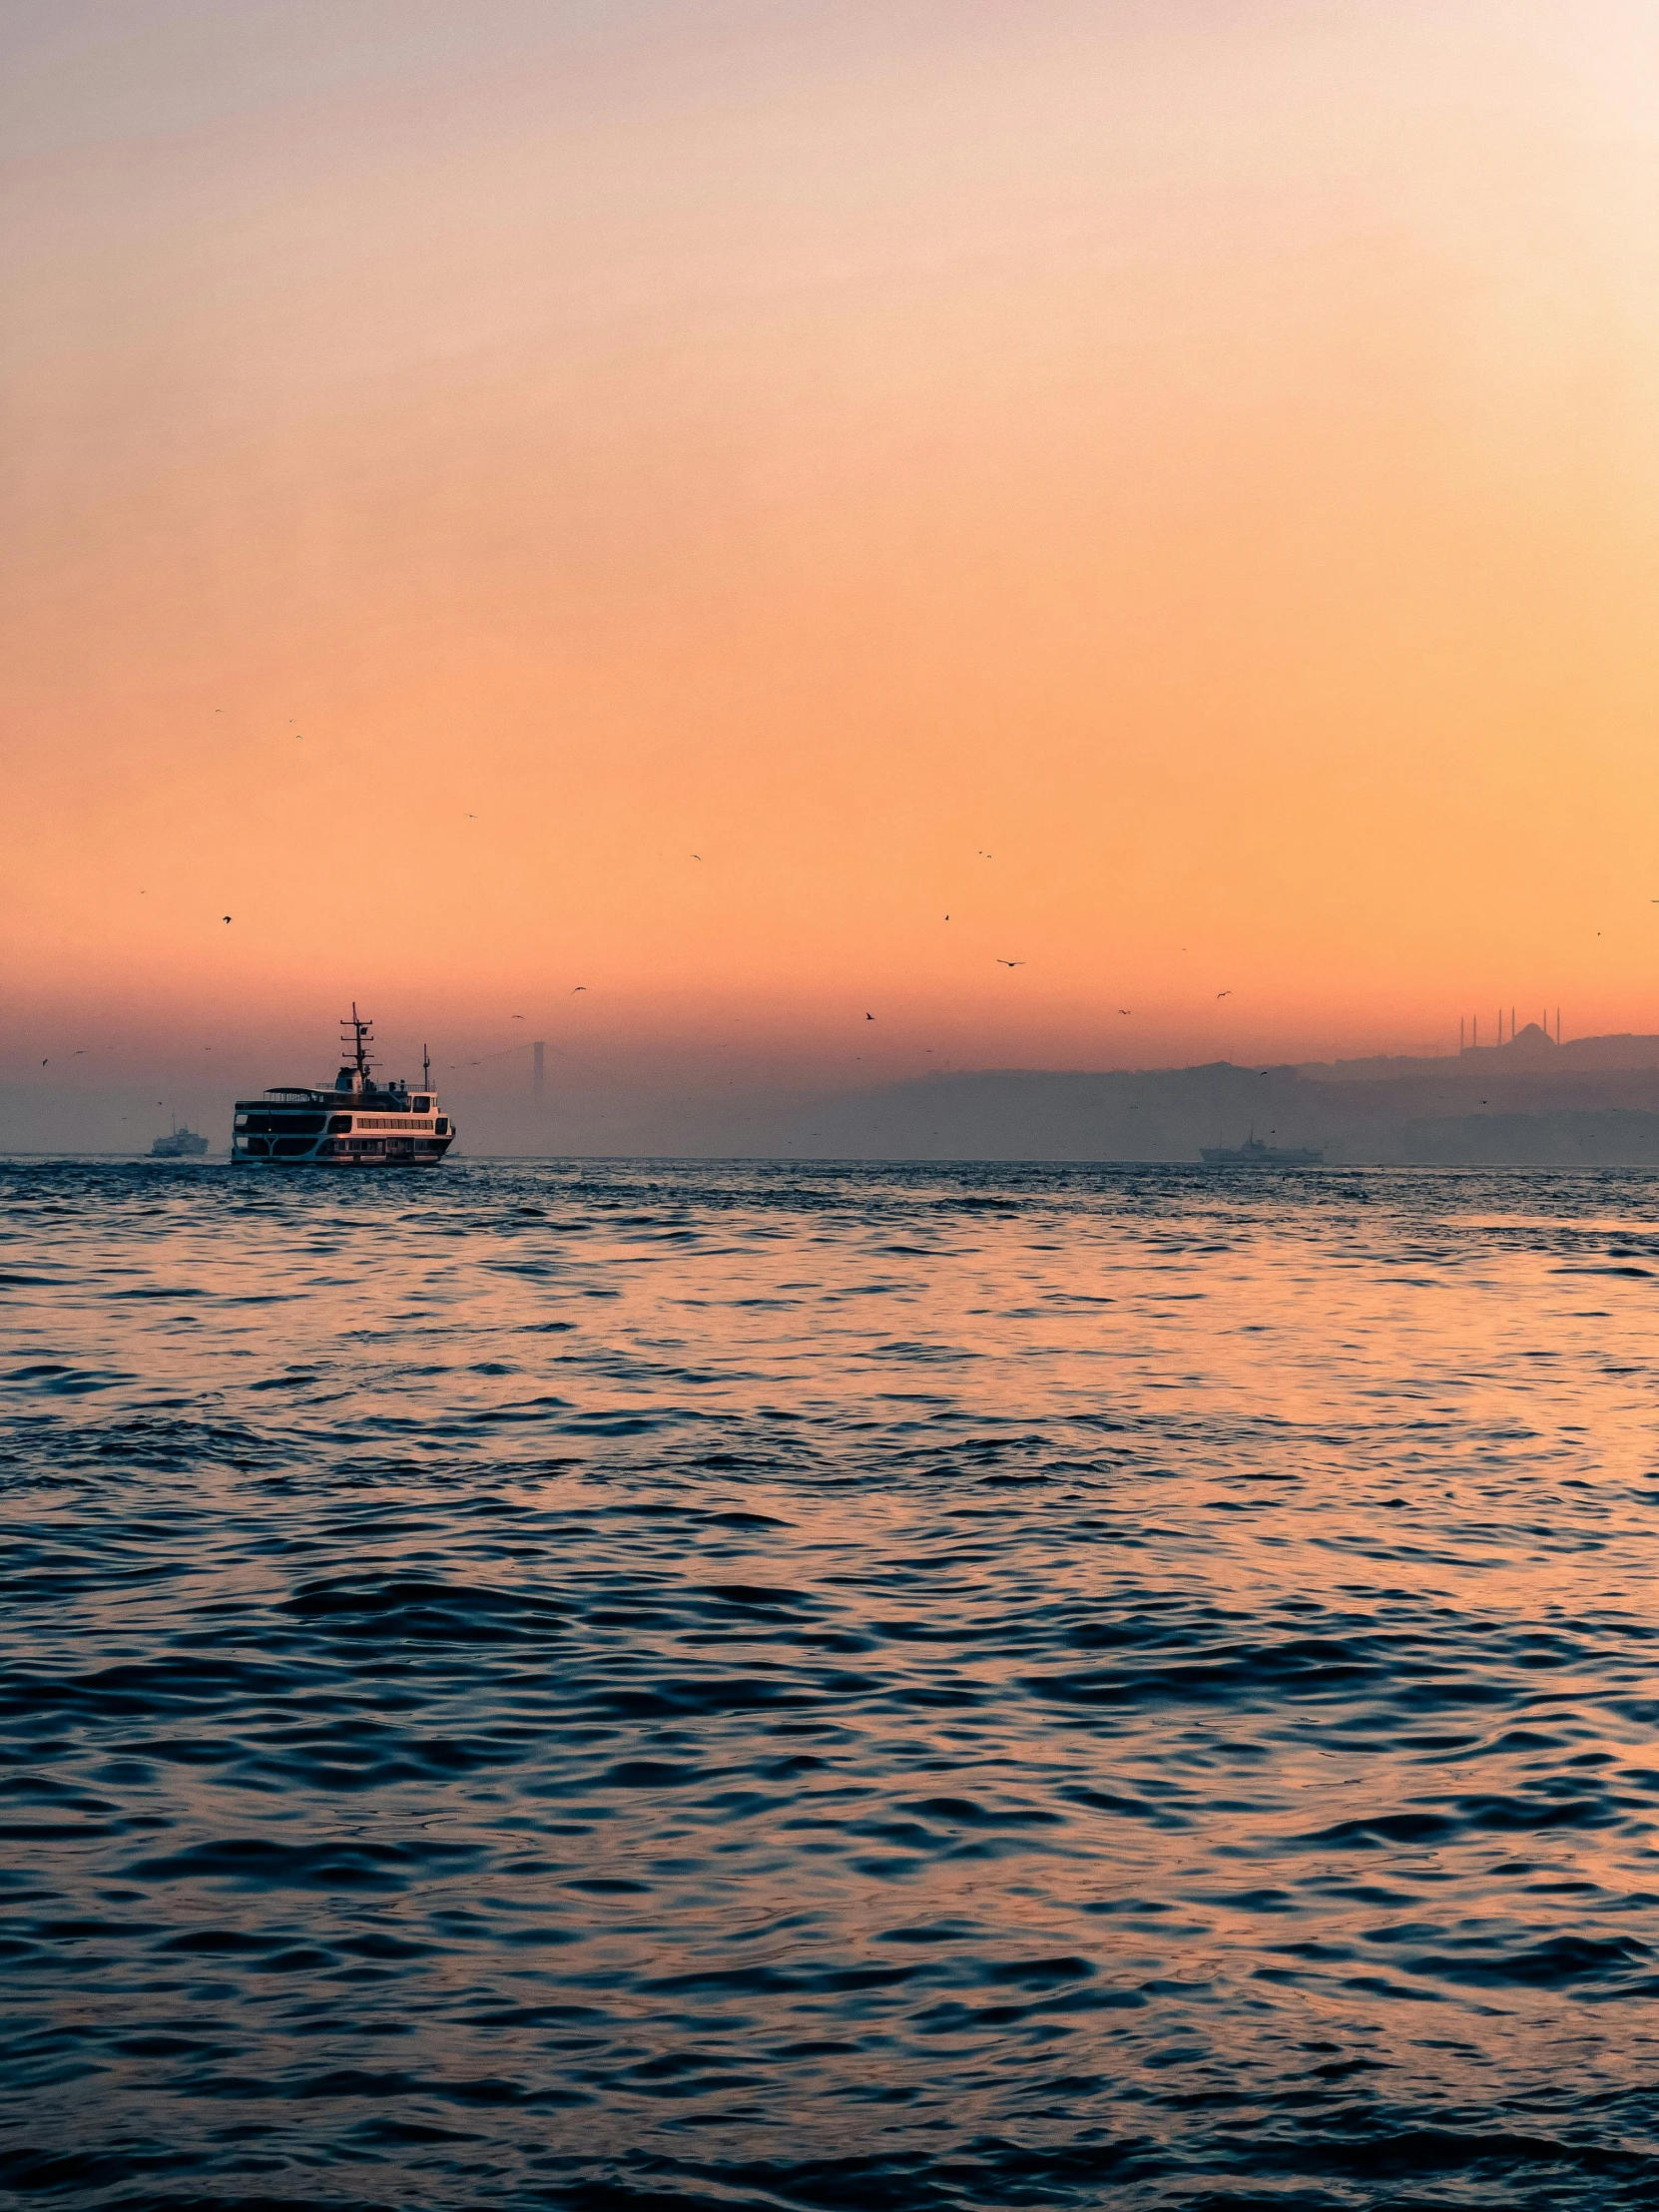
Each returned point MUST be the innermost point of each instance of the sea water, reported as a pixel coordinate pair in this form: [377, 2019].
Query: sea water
[650, 1685]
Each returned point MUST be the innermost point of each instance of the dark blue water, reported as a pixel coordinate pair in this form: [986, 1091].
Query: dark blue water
[633, 1687]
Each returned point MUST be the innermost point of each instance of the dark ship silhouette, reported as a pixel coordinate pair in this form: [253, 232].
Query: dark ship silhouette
[181, 1143]
[1253, 1153]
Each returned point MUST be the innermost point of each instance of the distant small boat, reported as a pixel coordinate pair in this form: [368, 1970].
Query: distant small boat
[183, 1144]
[1253, 1153]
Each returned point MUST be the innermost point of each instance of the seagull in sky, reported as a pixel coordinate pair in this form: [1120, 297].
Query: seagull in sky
[1126, 1009]
[1008, 963]
[226, 917]
[1224, 994]
[575, 987]
[869, 1017]
[518, 1017]
[696, 856]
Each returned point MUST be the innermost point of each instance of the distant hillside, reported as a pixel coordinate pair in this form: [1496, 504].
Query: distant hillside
[1595, 1101]
[1615, 1137]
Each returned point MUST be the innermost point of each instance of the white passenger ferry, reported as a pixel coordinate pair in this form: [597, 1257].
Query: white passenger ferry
[354, 1123]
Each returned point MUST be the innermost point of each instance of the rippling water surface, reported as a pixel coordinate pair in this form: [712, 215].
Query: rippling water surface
[665, 1686]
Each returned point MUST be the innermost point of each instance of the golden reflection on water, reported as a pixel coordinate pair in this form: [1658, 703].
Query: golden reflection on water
[1243, 1593]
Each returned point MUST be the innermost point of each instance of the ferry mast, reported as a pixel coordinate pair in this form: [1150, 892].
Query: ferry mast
[361, 1027]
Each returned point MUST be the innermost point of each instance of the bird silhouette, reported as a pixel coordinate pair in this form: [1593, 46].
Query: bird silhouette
[869, 1017]
[1224, 994]
[43, 1063]
[1126, 1009]
[575, 987]
[226, 917]
[1008, 963]
[696, 856]
[518, 1017]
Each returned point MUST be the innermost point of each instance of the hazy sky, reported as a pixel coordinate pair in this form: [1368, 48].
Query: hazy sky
[1173, 487]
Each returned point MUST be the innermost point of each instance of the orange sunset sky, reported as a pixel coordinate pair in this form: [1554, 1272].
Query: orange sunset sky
[679, 499]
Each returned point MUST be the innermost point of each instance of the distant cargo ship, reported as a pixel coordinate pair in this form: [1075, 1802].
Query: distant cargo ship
[1253, 1153]
[355, 1122]
[182, 1143]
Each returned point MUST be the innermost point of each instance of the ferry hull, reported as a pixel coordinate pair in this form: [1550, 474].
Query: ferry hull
[1264, 1156]
[330, 1160]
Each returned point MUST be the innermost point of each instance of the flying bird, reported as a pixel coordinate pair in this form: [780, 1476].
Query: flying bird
[226, 917]
[518, 1017]
[1008, 963]
[575, 987]
[43, 1063]
[1224, 994]
[1126, 1009]
[696, 856]
[869, 1017]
